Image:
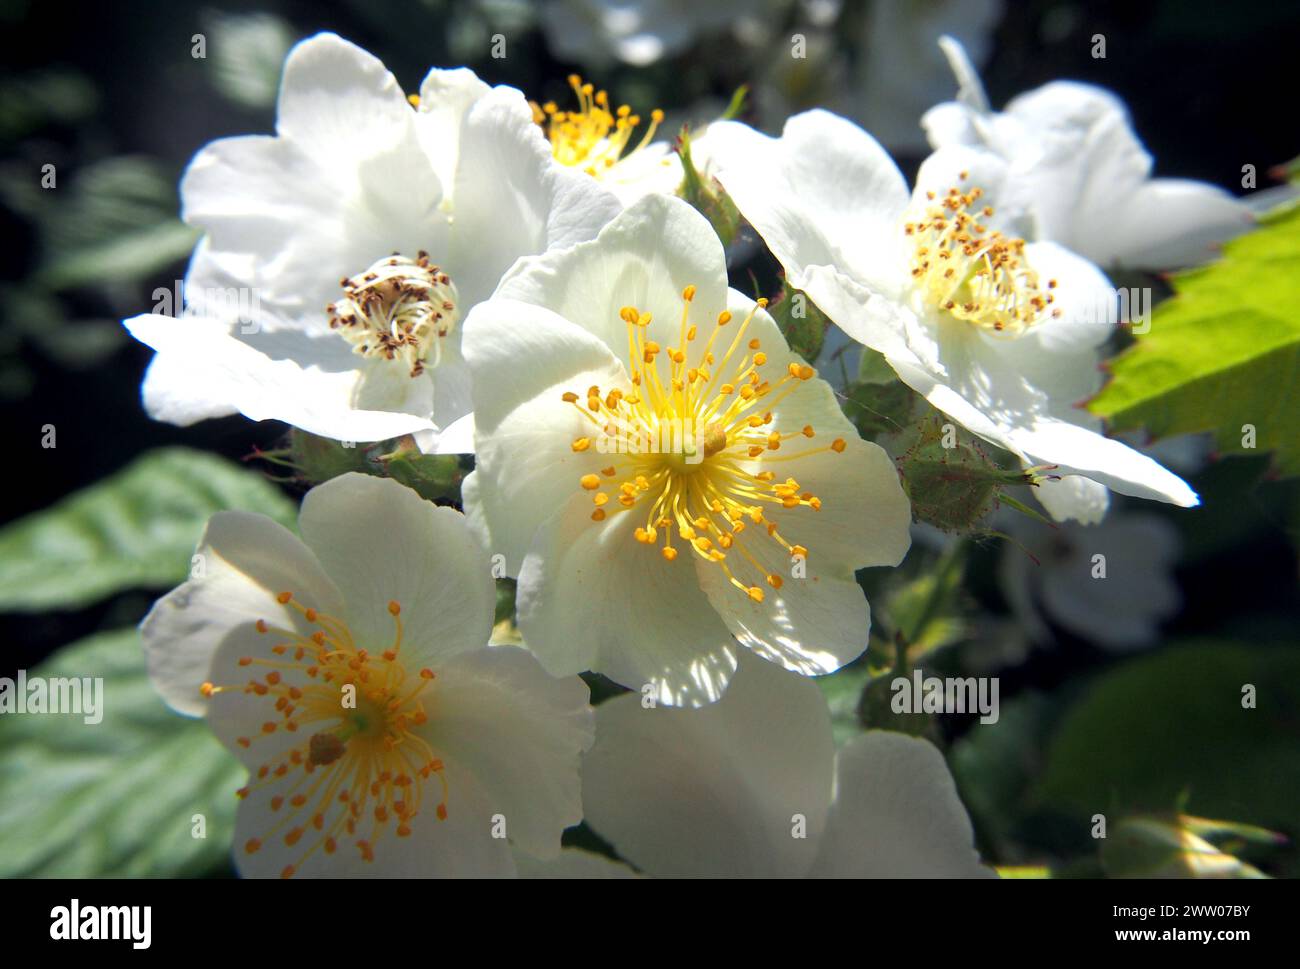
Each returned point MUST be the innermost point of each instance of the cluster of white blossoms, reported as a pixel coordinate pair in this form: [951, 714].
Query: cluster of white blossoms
[518, 280]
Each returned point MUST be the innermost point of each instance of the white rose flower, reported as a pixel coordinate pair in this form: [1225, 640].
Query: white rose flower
[753, 785]
[999, 334]
[342, 254]
[1084, 176]
[664, 477]
[350, 673]
[612, 145]
[609, 143]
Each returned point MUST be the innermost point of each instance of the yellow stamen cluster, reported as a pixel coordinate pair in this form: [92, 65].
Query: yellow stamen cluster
[690, 446]
[594, 137]
[399, 308]
[972, 273]
[360, 768]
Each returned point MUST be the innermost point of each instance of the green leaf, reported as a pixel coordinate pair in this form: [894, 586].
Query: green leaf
[873, 368]
[117, 797]
[118, 223]
[877, 409]
[1224, 352]
[802, 324]
[1171, 726]
[137, 528]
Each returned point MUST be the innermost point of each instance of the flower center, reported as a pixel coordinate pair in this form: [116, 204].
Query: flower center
[399, 308]
[592, 138]
[360, 769]
[693, 450]
[974, 274]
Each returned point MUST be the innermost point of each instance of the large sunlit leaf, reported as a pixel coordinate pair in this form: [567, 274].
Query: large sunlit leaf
[1181, 726]
[1223, 354]
[117, 797]
[135, 529]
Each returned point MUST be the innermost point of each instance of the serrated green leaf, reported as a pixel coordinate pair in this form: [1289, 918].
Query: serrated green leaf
[135, 529]
[1224, 352]
[117, 797]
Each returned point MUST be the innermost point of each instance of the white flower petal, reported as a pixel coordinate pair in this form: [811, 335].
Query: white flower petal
[344, 183]
[811, 625]
[645, 258]
[507, 179]
[591, 597]
[522, 359]
[1008, 416]
[1074, 497]
[247, 560]
[382, 542]
[272, 219]
[521, 732]
[716, 791]
[318, 385]
[460, 846]
[652, 169]
[1077, 450]
[824, 194]
[1167, 223]
[183, 392]
[970, 90]
[896, 813]
[816, 623]
[965, 168]
[865, 515]
[337, 97]
[446, 96]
